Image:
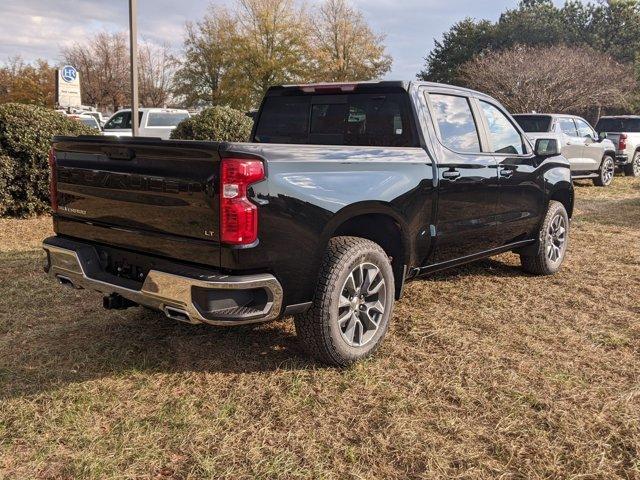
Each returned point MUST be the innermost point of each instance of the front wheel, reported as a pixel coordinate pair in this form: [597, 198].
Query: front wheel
[352, 305]
[633, 169]
[553, 240]
[606, 172]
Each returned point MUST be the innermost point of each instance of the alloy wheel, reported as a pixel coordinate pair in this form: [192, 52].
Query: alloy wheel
[608, 170]
[362, 304]
[556, 238]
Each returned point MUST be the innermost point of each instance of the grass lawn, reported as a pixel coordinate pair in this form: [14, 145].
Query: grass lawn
[486, 373]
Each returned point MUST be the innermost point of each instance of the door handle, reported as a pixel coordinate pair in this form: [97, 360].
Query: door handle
[451, 174]
[506, 172]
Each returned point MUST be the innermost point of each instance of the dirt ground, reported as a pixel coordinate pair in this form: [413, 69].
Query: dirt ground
[486, 373]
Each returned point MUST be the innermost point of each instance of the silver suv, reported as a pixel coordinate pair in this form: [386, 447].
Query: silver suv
[624, 132]
[590, 155]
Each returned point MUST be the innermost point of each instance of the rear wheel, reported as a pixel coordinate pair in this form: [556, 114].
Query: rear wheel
[352, 305]
[633, 169]
[606, 172]
[552, 244]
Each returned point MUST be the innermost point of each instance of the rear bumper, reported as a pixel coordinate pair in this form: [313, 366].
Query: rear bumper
[182, 292]
[622, 159]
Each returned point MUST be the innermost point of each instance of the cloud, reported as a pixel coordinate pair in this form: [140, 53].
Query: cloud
[41, 28]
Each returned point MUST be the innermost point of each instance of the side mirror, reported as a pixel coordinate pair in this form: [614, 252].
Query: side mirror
[547, 147]
[602, 136]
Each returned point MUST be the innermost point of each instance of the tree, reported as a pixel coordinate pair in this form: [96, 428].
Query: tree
[204, 76]
[344, 46]
[21, 82]
[273, 48]
[611, 27]
[156, 67]
[461, 43]
[550, 79]
[232, 56]
[103, 63]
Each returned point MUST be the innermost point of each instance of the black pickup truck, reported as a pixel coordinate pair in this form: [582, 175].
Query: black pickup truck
[344, 193]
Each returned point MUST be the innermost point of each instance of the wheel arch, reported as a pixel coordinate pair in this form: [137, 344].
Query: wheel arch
[380, 223]
[564, 193]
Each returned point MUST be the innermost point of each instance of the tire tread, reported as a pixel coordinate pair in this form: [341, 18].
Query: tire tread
[312, 331]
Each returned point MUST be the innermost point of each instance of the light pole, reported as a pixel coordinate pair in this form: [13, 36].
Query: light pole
[133, 33]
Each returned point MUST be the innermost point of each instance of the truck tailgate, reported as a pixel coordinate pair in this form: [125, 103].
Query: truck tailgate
[615, 138]
[148, 195]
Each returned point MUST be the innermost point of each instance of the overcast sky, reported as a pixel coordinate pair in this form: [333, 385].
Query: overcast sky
[40, 28]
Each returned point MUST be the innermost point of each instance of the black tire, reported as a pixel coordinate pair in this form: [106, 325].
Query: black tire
[633, 169]
[606, 172]
[319, 330]
[541, 262]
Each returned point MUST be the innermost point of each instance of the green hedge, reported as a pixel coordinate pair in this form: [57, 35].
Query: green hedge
[25, 140]
[222, 124]
[6, 183]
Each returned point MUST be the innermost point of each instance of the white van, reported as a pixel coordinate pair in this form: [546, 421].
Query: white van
[154, 122]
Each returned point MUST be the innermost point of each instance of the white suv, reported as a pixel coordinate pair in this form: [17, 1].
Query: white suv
[590, 155]
[154, 122]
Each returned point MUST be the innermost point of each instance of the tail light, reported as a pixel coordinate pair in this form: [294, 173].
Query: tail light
[53, 182]
[622, 142]
[238, 216]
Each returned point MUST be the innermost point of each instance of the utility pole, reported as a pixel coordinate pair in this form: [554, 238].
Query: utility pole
[133, 33]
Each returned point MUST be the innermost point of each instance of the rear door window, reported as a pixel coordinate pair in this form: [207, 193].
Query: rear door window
[165, 119]
[458, 130]
[568, 127]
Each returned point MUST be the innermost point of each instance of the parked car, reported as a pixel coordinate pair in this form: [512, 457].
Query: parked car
[345, 193]
[153, 122]
[98, 116]
[88, 120]
[590, 155]
[624, 132]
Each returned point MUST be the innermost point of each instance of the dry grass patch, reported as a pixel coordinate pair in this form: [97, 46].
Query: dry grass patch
[486, 373]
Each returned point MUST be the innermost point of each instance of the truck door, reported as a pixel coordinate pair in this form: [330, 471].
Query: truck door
[572, 145]
[521, 196]
[468, 181]
[593, 150]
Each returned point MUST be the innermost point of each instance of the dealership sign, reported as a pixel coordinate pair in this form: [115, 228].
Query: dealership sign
[68, 87]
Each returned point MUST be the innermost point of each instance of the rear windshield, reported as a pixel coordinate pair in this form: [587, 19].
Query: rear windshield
[89, 122]
[534, 123]
[382, 120]
[165, 119]
[617, 125]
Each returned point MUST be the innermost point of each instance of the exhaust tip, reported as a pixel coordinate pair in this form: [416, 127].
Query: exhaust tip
[179, 315]
[65, 281]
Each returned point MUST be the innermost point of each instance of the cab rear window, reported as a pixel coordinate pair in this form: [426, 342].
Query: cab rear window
[618, 125]
[383, 120]
[534, 123]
